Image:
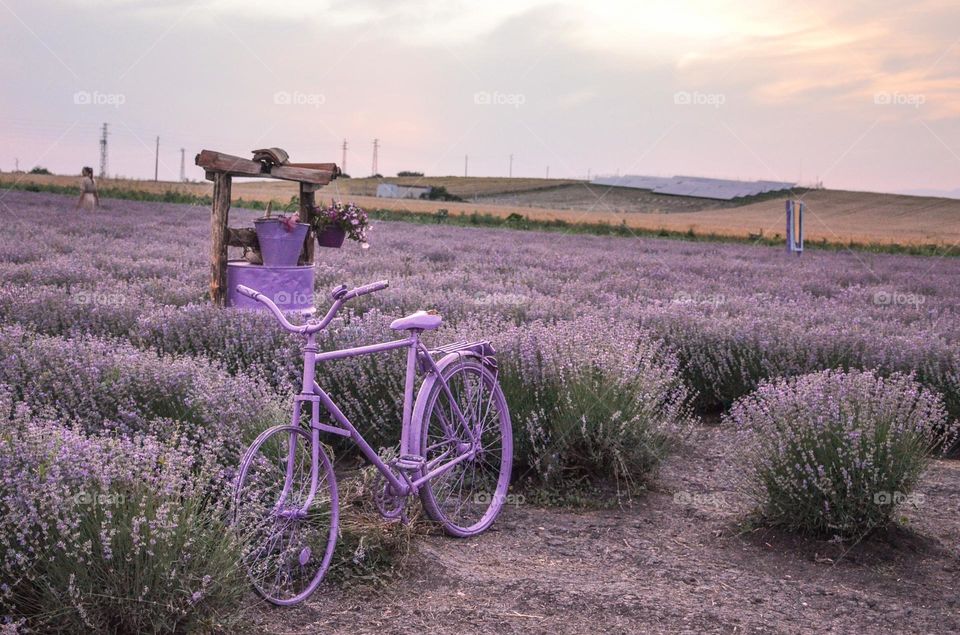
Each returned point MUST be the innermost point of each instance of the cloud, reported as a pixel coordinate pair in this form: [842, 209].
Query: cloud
[578, 85]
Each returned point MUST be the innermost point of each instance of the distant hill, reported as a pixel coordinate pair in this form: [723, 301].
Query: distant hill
[954, 193]
[832, 215]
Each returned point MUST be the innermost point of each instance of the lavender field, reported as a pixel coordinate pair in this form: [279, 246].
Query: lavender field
[732, 314]
[118, 376]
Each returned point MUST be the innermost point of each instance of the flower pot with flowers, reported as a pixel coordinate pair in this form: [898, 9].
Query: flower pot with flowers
[338, 222]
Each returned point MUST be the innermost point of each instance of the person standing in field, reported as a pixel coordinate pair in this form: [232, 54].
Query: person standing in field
[89, 197]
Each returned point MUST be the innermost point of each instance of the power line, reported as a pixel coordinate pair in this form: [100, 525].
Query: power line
[103, 152]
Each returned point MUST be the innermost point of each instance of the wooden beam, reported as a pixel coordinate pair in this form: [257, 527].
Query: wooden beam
[306, 215]
[326, 167]
[214, 161]
[219, 216]
[304, 175]
[243, 237]
[229, 164]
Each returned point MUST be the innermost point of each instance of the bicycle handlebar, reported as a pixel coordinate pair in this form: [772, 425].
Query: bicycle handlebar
[373, 287]
[310, 328]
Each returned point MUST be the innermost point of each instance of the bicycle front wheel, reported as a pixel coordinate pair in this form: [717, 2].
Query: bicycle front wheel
[468, 497]
[286, 512]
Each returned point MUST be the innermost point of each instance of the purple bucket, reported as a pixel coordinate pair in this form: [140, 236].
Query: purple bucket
[279, 246]
[290, 287]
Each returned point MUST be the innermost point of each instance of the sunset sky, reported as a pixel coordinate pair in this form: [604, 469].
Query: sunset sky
[863, 95]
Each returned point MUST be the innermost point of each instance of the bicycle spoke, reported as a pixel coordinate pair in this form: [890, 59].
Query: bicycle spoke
[467, 497]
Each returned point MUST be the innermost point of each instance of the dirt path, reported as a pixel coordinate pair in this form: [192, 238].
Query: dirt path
[675, 562]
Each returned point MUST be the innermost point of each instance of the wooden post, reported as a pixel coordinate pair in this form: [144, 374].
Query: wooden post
[218, 235]
[307, 198]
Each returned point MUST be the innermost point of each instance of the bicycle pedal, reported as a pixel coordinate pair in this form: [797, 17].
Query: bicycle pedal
[410, 462]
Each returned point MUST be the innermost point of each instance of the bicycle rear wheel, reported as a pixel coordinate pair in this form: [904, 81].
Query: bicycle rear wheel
[286, 510]
[467, 498]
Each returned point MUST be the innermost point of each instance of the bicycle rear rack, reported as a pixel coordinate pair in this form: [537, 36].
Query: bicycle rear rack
[481, 348]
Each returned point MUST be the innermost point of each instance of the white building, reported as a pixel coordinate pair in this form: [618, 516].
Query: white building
[393, 190]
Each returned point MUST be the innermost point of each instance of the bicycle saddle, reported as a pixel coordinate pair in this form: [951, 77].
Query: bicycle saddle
[421, 320]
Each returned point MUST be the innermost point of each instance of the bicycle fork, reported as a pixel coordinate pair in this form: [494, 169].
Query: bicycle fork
[280, 508]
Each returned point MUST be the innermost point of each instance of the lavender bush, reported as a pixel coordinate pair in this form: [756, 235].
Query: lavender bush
[103, 385]
[108, 534]
[588, 407]
[831, 453]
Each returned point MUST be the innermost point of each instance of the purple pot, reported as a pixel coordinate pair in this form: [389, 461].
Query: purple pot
[331, 237]
[279, 246]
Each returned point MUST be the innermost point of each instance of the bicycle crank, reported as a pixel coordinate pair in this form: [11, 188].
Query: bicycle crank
[390, 504]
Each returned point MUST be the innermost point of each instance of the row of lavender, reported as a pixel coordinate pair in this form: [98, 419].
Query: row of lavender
[129, 401]
[734, 315]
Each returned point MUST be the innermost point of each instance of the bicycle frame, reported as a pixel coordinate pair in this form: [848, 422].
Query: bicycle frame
[291, 534]
[312, 392]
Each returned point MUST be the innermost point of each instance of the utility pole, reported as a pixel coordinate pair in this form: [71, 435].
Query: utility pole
[156, 161]
[510, 174]
[548, 171]
[103, 153]
[16, 164]
[376, 146]
[343, 163]
[588, 174]
[466, 162]
[183, 166]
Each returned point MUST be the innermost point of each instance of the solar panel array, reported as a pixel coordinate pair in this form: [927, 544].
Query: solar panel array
[696, 186]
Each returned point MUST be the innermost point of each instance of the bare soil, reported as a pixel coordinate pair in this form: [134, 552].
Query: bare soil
[603, 198]
[679, 559]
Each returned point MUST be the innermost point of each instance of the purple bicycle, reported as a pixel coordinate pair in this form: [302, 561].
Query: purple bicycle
[456, 453]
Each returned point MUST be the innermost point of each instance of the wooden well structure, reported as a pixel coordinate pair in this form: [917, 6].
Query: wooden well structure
[221, 169]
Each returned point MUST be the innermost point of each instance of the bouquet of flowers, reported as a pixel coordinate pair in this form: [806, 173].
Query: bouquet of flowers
[288, 222]
[347, 217]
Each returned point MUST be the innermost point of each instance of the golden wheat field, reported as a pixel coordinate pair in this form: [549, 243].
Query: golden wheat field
[832, 215]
